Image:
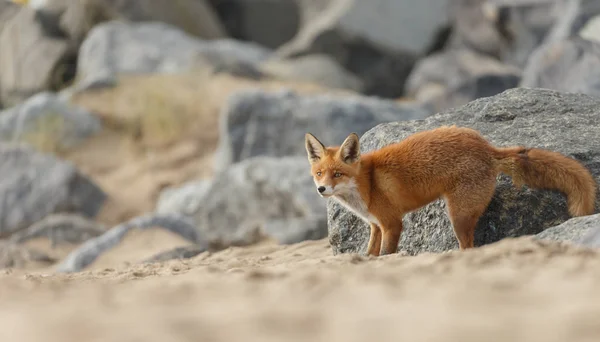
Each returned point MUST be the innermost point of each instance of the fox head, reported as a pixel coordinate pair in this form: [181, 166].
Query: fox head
[333, 168]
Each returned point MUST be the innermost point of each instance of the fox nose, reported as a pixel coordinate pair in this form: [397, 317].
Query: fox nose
[321, 189]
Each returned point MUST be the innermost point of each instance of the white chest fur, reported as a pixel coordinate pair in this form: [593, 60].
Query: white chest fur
[351, 199]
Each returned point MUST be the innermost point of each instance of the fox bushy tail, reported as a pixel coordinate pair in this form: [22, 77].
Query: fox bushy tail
[543, 169]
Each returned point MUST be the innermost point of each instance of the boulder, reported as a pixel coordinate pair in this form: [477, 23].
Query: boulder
[87, 253]
[508, 30]
[590, 227]
[576, 17]
[266, 22]
[255, 122]
[378, 40]
[48, 123]
[117, 47]
[31, 59]
[274, 197]
[35, 185]
[75, 19]
[577, 230]
[454, 77]
[566, 123]
[571, 65]
[60, 229]
[317, 68]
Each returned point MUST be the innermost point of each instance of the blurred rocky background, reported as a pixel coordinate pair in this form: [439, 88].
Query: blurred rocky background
[167, 128]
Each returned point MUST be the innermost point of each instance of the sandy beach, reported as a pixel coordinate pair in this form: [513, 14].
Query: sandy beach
[514, 290]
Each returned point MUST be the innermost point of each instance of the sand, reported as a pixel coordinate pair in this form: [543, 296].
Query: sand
[514, 290]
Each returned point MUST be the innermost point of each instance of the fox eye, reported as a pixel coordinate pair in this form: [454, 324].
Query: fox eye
[319, 173]
[337, 175]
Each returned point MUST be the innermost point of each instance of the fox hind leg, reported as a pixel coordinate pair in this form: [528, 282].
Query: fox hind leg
[390, 236]
[465, 207]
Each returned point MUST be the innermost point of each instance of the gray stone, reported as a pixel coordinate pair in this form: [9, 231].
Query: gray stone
[186, 198]
[257, 197]
[87, 253]
[378, 40]
[255, 122]
[577, 230]
[46, 119]
[35, 185]
[588, 226]
[571, 65]
[31, 60]
[455, 77]
[266, 22]
[75, 18]
[575, 15]
[117, 47]
[566, 123]
[507, 30]
[60, 229]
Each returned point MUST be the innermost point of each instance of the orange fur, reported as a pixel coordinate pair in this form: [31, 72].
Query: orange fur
[454, 163]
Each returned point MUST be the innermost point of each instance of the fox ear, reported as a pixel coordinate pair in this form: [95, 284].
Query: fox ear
[350, 149]
[314, 148]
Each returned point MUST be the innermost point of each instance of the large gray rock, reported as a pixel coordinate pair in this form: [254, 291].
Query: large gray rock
[577, 230]
[454, 77]
[567, 123]
[571, 65]
[35, 185]
[75, 19]
[31, 59]
[266, 22]
[588, 226]
[575, 17]
[377, 40]
[47, 122]
[256, 123]
[87, 253]
[508, 30]
[60, 229]
[254, 198]
[117, 47]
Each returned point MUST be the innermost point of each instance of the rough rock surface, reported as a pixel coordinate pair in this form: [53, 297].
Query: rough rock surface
[87, 253]
[257, 197]
[376, 40]
[46, 119]
[590, 225]
[35, 185]
[577, 230]
[454, 77]
[567, 123]
[117, 47]
[31, 59]
[571, 65]
[256, 123]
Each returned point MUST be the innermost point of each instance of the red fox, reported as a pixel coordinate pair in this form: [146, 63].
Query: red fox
[454, 163]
